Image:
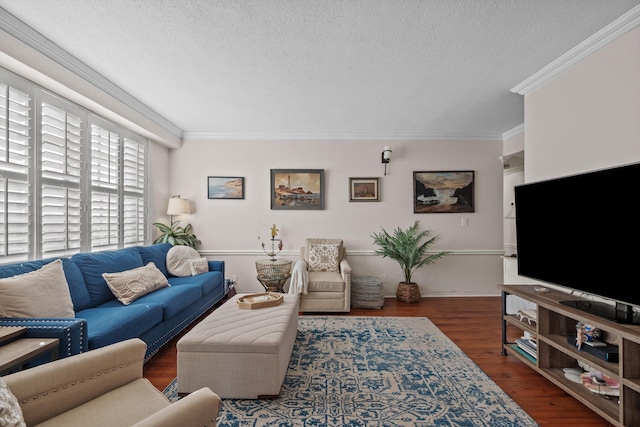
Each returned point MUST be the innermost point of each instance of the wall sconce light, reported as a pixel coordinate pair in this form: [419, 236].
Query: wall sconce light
[178, 206]
[512, 212]
[386, 157]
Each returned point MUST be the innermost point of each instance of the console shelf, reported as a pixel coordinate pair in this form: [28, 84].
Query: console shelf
[555, 322]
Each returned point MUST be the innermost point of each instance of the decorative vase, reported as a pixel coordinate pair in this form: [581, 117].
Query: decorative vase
[408, 292]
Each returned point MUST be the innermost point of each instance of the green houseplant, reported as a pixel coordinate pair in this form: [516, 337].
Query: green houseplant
[176, 235]
[409, 248]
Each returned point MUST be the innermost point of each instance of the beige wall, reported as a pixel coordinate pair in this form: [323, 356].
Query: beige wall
[229, 229]
[588, 117]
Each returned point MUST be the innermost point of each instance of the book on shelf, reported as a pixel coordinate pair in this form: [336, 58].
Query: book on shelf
[525, 354]
[527, 346]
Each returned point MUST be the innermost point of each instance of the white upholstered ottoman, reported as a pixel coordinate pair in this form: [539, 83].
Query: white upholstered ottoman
[239, 353]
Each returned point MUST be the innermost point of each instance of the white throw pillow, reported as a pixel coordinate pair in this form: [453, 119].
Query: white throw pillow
[199, 266]
[179, 260]
[127, 286]
[39, 293]
[10, 411]
[324, 257]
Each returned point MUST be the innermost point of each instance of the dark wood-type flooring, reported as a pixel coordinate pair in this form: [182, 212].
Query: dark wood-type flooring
[473, 323]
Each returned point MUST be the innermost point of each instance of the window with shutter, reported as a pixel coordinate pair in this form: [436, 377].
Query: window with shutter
[70, 181]
[134, 191]
[15, 139]
[105, 179]
[61, 167]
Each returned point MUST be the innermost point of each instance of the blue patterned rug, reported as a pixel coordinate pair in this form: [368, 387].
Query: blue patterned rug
[377, 371]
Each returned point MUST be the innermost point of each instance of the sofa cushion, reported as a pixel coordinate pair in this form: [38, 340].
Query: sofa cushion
[113, 322]
[173, 299]
[122, 406]
[39, 293]
[325, 281]
[180, 260]
[94, 264]
[77, 288]
[208, 281]
[130, 285]
[156, 254]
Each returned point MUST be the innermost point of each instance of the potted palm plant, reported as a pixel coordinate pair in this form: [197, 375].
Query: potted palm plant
[409, 249]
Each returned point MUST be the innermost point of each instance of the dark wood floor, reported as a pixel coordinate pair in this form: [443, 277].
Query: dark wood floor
[473, 323]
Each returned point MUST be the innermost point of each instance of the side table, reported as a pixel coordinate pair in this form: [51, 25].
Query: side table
[273, 274]
[17, 353]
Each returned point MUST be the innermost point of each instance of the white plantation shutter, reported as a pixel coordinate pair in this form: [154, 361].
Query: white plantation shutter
[61, 167]
[70, 181]
[134, 191]
[105, 179]
[15, 139]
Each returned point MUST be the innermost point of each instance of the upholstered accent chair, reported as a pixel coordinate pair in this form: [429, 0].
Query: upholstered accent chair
[103, 387]
[322, 277]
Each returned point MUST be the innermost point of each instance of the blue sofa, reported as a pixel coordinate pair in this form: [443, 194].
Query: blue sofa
[100, 319]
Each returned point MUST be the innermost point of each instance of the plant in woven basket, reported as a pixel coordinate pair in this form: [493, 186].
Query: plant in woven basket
[176, 234]
[409, 248]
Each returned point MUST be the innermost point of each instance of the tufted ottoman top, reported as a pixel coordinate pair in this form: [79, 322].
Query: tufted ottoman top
[230, 329]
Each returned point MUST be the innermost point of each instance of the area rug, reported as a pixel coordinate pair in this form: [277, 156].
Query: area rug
[377, 371]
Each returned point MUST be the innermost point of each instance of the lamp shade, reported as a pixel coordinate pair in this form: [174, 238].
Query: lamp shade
[178, 206]
[386, 153]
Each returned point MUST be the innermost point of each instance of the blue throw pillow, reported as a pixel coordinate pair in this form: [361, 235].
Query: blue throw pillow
[156, 254]
[93, 264]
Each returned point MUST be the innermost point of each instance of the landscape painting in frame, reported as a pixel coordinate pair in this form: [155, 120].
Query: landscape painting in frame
[293, 189]
[364, 189]
[443, 192]
[225, 187]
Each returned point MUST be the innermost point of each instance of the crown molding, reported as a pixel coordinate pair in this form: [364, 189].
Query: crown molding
[616, 29]
[513, 132]
[320, 136]
[30, 37]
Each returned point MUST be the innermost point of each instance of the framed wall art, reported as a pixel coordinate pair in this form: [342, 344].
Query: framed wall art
[364, 189]
[225, 187]
[297, 189]
[443, 192]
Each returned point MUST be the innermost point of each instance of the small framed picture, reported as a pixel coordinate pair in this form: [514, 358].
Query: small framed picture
[443, 192]
[364, 189]
[295, 189]
[225, 187]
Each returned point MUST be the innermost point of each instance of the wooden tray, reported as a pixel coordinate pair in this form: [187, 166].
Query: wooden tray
[265, 299]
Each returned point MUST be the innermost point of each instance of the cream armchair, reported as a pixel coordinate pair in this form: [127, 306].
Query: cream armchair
[105, 387]
[322, 277]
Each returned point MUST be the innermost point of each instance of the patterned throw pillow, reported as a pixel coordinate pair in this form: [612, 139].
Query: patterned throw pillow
[10, 412]
[130, 285]
[324, 257]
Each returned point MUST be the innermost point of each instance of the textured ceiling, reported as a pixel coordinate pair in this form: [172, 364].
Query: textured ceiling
[323, 68]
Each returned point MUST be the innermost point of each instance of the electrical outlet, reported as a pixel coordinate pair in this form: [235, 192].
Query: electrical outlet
[465, 221]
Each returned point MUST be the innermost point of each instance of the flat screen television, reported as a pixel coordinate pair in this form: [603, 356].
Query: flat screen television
[582, 232]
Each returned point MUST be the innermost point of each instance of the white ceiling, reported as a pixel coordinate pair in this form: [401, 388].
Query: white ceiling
[341, 69]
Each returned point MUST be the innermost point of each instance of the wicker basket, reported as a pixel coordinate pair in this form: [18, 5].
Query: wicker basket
[408, 293]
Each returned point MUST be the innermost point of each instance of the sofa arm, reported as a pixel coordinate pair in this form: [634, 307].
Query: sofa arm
[217, 266]
[71, 332]
[197, 409]
[345, 271]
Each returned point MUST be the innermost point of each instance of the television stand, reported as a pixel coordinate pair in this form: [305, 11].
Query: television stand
[555, 324]
[620, 313]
